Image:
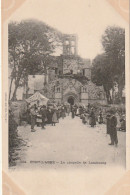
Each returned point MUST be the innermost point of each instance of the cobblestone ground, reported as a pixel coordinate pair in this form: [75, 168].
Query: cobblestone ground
[69, 144]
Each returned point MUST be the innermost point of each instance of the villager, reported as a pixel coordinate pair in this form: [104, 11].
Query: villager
[49, 115]
[68, 109]
[65, 108]
[123, 123]
[113, 130]
[80, 111]
[92, 119]
[75, 109]
[84, 119]
[73, 112]
[33, 117]
[38, 116]
[108, 125]
[100, 117]
[58, 112]
[62, 112]
[117, 114]
[44, 117]
[77, 113]
[54, 117]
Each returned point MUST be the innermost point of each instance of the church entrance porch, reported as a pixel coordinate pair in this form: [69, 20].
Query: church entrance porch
[71, 100]
[71, 97]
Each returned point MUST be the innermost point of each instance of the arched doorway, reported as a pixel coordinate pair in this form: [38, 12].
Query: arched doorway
[71, 100]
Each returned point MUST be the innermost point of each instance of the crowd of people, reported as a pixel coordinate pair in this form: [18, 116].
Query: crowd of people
[51, 114]
[42, 115]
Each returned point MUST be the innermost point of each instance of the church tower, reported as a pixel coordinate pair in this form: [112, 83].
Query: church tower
[70, 45]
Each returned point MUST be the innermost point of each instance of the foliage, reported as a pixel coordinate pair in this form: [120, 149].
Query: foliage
[113, 42]
[31, 43]
[109, 67]
[102, 75]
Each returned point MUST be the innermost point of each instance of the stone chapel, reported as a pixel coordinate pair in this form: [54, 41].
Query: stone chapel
[70, 79]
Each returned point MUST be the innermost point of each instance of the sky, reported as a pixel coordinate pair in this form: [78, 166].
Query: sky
[86, 18]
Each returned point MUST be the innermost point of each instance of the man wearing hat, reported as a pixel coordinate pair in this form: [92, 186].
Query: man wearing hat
[113, 129]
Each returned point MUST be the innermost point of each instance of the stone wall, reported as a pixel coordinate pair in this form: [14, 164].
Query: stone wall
[87, 73]
[60, 89]
[84, 96]
[51, 75]
[70, 64]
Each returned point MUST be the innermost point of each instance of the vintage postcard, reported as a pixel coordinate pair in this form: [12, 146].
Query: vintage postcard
[65, 97]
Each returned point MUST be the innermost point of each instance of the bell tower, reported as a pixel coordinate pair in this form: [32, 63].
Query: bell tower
[70, 45]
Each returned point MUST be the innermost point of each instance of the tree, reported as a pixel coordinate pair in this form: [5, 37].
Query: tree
[113, 42]
[109, 67]
[31, 43]
[101, 74]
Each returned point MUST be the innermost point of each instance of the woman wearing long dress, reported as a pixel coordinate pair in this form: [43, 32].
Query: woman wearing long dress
[54, 117]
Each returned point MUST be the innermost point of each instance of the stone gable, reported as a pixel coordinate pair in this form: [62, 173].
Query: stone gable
[62, 88]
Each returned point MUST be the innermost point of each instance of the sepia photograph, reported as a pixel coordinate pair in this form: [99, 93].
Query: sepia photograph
[66, 86]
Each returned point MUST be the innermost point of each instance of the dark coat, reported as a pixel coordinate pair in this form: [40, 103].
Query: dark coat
[73, 113]
[113, 130]
[49, 116]
[44, 114]
[62, 112]
[92, 121]
[113, 124]
[108, 118]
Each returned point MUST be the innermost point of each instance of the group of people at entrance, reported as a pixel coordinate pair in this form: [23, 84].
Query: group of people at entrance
[87, 115]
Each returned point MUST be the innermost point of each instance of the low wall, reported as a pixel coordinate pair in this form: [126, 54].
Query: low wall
[18, 108]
